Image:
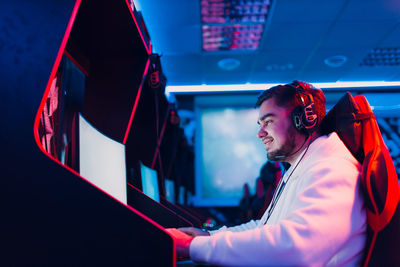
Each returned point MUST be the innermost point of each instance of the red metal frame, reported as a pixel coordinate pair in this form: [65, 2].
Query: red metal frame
[61, 51]
[136, 102]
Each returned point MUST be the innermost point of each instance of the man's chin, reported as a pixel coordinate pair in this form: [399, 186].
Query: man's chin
[275, 156]
[271, 156]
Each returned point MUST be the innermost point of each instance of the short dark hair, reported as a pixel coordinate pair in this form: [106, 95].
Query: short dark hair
[286, 96]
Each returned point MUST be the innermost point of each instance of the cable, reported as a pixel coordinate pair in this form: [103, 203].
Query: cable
[282, 184]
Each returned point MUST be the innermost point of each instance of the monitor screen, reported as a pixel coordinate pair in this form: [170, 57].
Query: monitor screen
[102, 160]
[170, 190]
[149, 182]
[228, 152]
[181, 196]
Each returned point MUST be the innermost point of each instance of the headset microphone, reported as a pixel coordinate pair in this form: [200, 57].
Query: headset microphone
[291, 154]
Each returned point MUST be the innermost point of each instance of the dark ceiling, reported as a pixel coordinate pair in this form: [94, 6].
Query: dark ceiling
[298, 37]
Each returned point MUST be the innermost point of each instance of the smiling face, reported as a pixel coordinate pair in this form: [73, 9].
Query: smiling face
[277, 131]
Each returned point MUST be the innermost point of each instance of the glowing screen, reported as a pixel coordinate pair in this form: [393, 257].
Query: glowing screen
[228, 152]
[170, 190]
[102, 160]
[150, 182]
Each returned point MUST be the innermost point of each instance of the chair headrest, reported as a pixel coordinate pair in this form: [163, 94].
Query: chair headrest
[345, 119]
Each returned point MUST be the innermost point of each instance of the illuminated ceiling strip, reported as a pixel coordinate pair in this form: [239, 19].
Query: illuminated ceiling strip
[258, 87]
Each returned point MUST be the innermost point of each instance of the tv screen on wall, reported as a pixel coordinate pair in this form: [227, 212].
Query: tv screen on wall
[228, 152]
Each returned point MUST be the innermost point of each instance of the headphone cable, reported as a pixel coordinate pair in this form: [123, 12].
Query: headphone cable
[282, 185]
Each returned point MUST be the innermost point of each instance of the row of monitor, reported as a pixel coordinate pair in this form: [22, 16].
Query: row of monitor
[102, 162]
[78, 143]
[224, 125]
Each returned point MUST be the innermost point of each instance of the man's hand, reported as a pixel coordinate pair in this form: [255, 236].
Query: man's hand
[194, 231]
[182, 242]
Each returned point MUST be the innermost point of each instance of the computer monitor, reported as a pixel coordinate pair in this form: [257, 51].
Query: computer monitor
[169, 190]
[149, 182]
[181, 196]
[102, 160]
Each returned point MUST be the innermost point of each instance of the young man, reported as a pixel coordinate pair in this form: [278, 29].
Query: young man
[316, 217]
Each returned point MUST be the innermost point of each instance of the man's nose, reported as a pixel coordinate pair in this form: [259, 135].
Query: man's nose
[261, 133]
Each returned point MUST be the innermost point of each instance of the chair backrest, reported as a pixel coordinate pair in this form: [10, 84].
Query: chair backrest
[356, 125]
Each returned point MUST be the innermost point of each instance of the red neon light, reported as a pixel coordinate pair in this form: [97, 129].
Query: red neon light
[137, 27]
[53, 73]
[159, 139]
[136, 102]
[40, 111]
[42, 104]
[80, 67]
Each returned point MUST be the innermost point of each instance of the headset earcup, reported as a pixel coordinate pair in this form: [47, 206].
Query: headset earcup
[310, 118]
[304, 116]
[297, 115]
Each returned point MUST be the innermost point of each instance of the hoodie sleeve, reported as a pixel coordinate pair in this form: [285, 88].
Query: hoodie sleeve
[325, 213]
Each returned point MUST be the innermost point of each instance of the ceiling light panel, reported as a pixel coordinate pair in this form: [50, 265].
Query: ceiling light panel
[231, 37]
[385, 56]
[233, 24]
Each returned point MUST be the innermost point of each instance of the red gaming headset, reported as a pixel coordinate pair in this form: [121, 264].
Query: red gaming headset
[304, 116]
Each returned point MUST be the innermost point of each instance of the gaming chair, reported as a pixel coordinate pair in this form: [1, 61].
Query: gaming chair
[356, 125]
